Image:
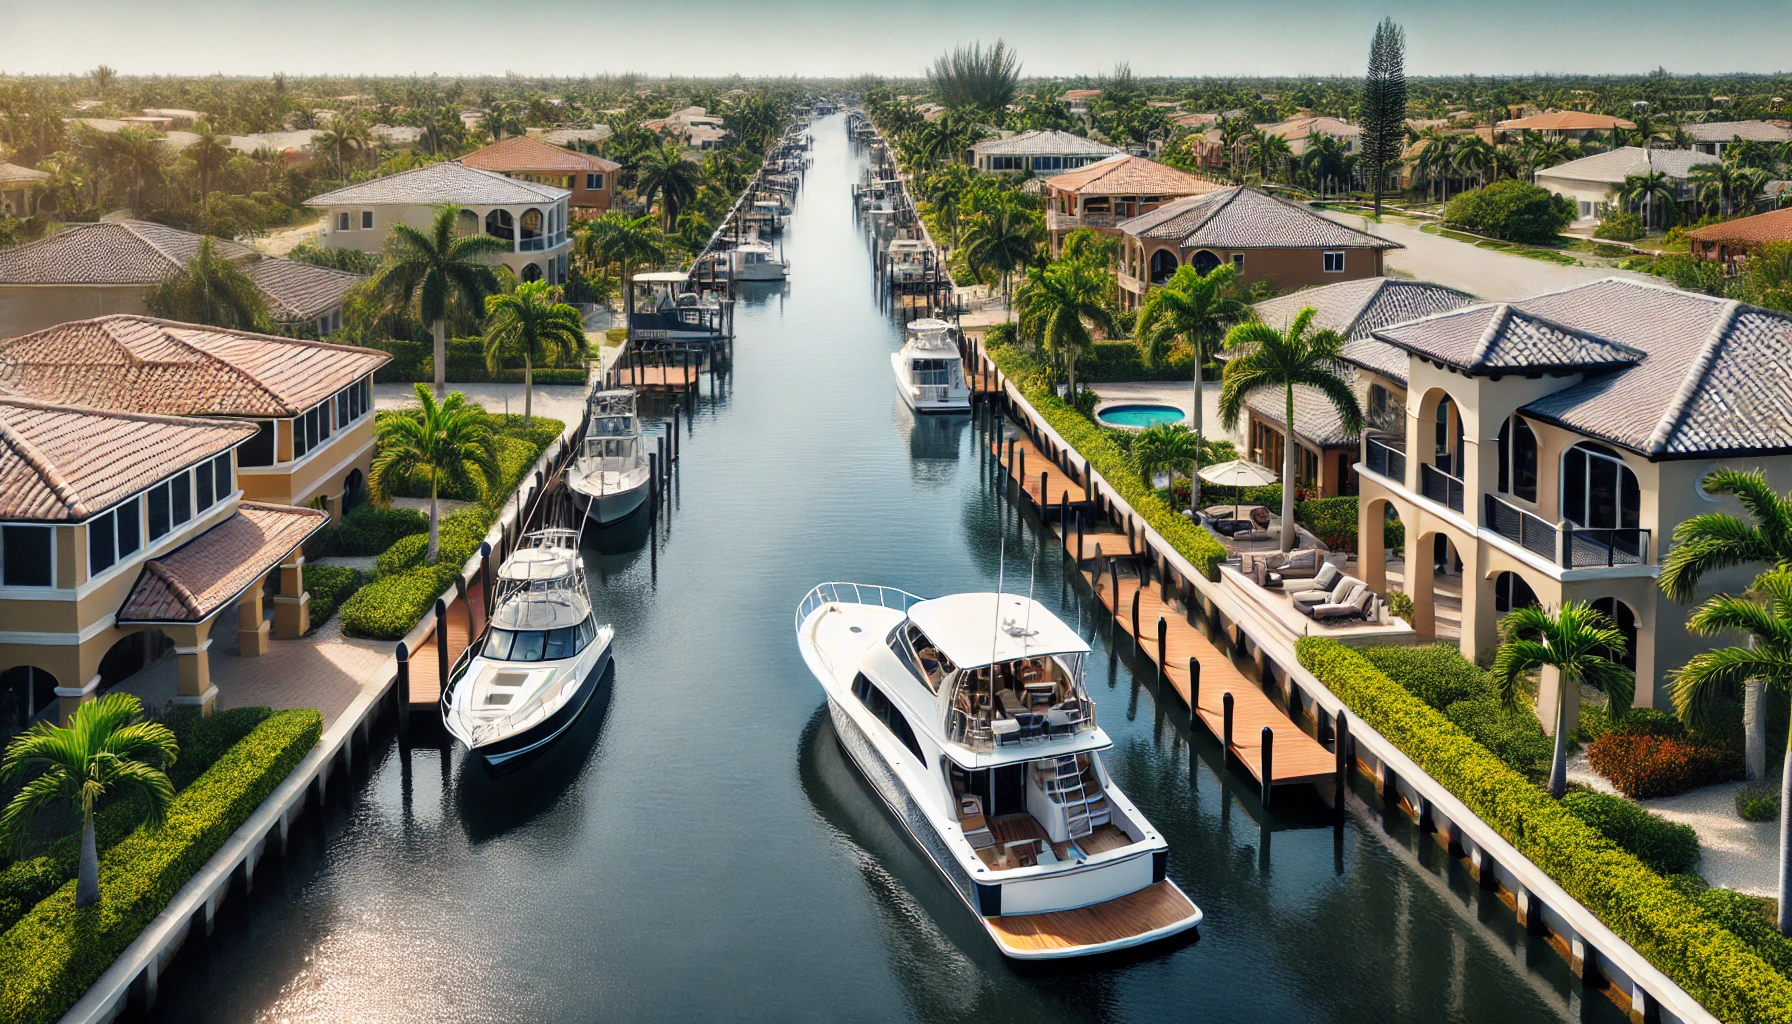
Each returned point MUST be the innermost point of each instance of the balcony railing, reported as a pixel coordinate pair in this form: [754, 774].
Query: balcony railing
[1565, 544]
[1440, 486]
[1386, 456]
[1056, 221]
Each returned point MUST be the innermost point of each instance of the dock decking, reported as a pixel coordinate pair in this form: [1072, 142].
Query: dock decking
[1150, 909]
[1028, 462]
[424, 667]
[670, 377]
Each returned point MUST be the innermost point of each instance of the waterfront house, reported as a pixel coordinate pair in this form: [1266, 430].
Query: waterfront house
[1040, 151]
[1714, 136]
[1300, 130]
[590, 179]
[1590, 181]
[125, 533]
[1325, 464]
[22, 191]
[1551, 445]
[1265, 237]
[1108, 191]
[528, 216]
[89, 270]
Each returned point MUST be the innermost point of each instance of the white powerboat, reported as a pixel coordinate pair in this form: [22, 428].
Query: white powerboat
[755, 261]
[611, 474]
[968, 715]
[524, 681]
[929, 370]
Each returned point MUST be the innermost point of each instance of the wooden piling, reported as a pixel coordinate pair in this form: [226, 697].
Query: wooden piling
[1268, 740]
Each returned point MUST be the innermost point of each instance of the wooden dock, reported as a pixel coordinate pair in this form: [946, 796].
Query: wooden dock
[1041, 479]
[656, 377]
[424, 665]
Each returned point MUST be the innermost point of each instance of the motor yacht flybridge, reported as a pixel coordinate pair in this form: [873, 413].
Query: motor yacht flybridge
[525, 680]
[929, 370]
[610, 475]
[968, 715]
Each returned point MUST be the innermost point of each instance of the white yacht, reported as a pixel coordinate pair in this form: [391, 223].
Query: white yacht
[755, 261]
[610, 475]
[541, 656]
[968, 715]
[929, 370]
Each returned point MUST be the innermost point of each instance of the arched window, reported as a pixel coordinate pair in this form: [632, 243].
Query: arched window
[1511, 591]
[532, 272]
[500, 224]
[1518, 459]
[1204, 262]
[467, 223]
[532, 221]
[1625, 620]
[1448, 456]
[1599, 492]
[1163, 264]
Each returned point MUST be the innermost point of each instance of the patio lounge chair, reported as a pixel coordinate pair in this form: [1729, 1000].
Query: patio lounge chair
[1307, 599]
[1356, 606]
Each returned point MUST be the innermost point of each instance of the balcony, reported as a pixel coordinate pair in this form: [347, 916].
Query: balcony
[1565, 544]
[1386, 456]
[1440, 486]
[1129, 282]
[1055, 221]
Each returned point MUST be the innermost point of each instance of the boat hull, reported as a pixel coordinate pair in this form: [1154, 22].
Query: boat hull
[957, 401]
[548, 729]
[613, 507]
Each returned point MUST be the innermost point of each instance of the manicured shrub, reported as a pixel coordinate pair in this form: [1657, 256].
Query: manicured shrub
[1753, 919]
[405, 554]
[1649, 722]
[1120, 360]
[1644, 765]
[1660, 921]
[1620, 227]
[1511, 734]
[369, 529]
[1400, 605]
[1332, 520]
[1517, 211]
[55, 952]
[1437, 674]
[1665, 846]
[387, 608]
[1758, 803]
[329, 586]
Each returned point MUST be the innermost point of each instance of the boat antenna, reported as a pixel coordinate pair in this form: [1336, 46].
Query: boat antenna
[995, 629]
[1026, 628]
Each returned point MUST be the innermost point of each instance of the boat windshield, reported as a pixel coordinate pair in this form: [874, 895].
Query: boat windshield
[539, 644]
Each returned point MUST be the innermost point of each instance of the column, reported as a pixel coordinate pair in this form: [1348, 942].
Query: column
[252, 625]
[70, 698]
[192, 646]
[1371, 545]
[292, 608]
[1419, 578]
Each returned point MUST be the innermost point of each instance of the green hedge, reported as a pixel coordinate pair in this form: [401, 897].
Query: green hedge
[1092, 443]
[1120, 361]
[1441, 677]
[405, 589]
[369, 529]
[414, 362]
[1713, 965]
[1666, 847]
[55, 952]
[329, 586]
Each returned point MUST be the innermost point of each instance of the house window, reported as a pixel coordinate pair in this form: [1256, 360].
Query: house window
[25, 558]
[259, 450]
[1511, 591]
[114, 536]
[1518, 459]
[366, 220]
[221, 476]
[1599, 492]
[342, 221]
[204, 485]
[1334, 263]
[161, 518]
[183, 498]
[1238, 261]
[594, 182]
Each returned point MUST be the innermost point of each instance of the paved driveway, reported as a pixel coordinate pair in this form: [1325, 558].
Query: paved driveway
[1481, 272]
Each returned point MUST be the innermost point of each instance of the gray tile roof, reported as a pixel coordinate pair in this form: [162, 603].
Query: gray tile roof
[300, 291]
[1316, 419]
[1355, 309]
[1614, 166]
[1504, 338]
[438, 184]
[1044, 142]
[1243, 218]
[1725, 131]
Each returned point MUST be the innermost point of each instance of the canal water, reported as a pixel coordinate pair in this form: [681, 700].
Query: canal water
[699, 848]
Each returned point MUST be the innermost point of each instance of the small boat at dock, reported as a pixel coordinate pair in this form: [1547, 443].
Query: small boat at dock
[611, 474]
[929, 369]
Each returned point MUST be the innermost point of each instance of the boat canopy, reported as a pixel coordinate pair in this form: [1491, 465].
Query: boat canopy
[927, 324]
[975, 630]
[662, 277]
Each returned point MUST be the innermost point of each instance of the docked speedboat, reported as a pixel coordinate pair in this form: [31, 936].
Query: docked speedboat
[611, 474]
[968, 715]
[929, 370]
[666, 308]
[524, 681]
[755, 261]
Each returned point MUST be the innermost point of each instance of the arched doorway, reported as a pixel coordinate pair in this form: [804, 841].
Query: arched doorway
[1163, 264]
[131, 654]
[531, 272]
[466, 223]
[1511, 591]
[500, 224]
[1204, 262]
[354, 490]
[1624, 618]
[25, 692]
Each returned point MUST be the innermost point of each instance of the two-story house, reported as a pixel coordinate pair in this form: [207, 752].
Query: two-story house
[1592, 181]
[1109, 191]
[1041, 151]
[1554, 443]
[531, 218]
[590, 179]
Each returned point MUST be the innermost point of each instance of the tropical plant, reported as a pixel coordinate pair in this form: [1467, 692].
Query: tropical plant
[1060, 304]
[1265, 358]
[446, 443]
[664, 173]
[1644, 191]
[137, 158]
[209, 154]
[971, 77]
[1476, 157]
[1196, 311]
[1169, 448]
[1268, 153]
[628, 242]
[1728, 187]
[1765, 617]
[1582, 645]
[106, 748]
[1383, 108]
[341, 138]
[1002, 240]
[532, 324]
[213, 291]
[438, 267]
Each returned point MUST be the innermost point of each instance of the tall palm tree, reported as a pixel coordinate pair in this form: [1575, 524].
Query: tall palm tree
[139, 159]
[1718, 184]
[628, 242]
[1060, 305]
[663, 172]
[1765, 662]
[209, 155]
[1168, 448]
[343, 136]
[1715, 541]
[1002, 240]
[211, 290]
[1268, 153]
[1263, 358]
[445, 443]
[1197, 311]
[105, 748]
[1645, 190]
[1476, 157]
[1582, 645]
[532, 324]
[438, 267]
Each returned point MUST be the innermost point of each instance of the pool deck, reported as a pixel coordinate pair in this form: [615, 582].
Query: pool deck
[1170, 392]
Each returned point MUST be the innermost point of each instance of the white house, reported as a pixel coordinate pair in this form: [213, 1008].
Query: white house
[1589, 181]
[1039, 151]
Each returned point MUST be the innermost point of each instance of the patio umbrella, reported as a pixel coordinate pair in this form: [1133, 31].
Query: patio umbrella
[1238, 473]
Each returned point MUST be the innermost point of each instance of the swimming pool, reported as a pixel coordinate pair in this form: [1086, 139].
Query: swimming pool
[1139, 416]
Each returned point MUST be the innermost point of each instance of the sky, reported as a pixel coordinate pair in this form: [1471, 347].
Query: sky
[1057, 38]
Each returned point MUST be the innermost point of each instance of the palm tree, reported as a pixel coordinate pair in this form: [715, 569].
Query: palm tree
[1264, 357]
[209, 153]
[1766, 662]
[1642, 190]
[532, 323]
[211, 290]
[1060, 304]
[105, 748]
[1167, 448]
[1582, 645]
[1197, 311]
[1718, 184]
[1268, 152]
[138, 158]
[438, 267]
[665, 173]
[1002, 240]
[626, 241]
[1474, 156]
[446, 443]
[345, 135]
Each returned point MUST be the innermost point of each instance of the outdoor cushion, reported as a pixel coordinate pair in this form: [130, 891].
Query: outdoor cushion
[1302, 563]
[1355, 606]
[1338, 593]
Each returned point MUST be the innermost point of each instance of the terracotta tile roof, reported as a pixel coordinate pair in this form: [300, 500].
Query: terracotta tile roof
[1566, 121]
[13, 174]
[523, 153]
[59, 463]
[1301, 127]
[1130, 176]
[196, 580]
[1080, 94]
[436, 184]
[1243, 218]
[1356, 309]
[1748, 231]
[141, 364]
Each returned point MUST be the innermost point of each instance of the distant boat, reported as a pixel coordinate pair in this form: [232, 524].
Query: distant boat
[755, 261]
[968, 715]
[929, 370]
[665, 310]
[610, 476]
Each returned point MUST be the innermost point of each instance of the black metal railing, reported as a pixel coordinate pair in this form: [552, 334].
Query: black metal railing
[1531, 532]
[1386, 456]
[1565, 544]
[1440, 486]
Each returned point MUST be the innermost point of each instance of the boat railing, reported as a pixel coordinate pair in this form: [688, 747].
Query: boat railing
[854, 593]
[974, 732]
[457, 673]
